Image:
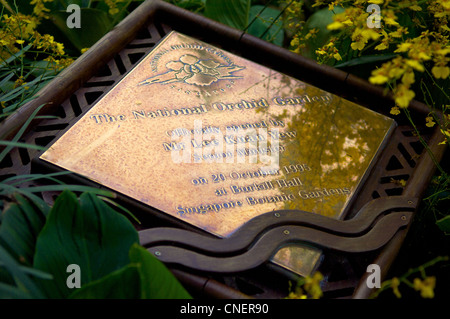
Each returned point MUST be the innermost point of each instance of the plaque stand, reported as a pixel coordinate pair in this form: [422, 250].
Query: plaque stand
[379, 203]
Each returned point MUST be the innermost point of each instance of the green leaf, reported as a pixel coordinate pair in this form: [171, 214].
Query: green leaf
[144, 278]
[20, 278]
[444, 224]
[365, 60]
[74, 188]
[262, 20]
[157, 282]
[87, 233]
[20, 179]
[20, 227]
[5, 84]
[320, 20]
[120, 284]
[15, 56]
[18, 135]
[23, 145]
[234, 13]
[94, 25]
[12, 292]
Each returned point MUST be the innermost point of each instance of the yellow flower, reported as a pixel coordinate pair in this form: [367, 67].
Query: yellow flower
[445, 4]
[382, 46]
[403, 47]
[320, 51]
[336, 25]
[403, 95]
[395, 282]
[395, 110]
[396, 72]
[408, 77]
[312, 285]
[426, 287]
[370, 34]
[59, 48]
[390, 21]
[337, 56]
[378, 79]
[415, 7]
[399, 32]
[359, 45]
[446, 133]
[293, 295]
[430, 121]
[39, 9]
[443, 51]
[415, 64]
[402, 183]
[19, 82]
[317, 3]
[113, 11]
[348, 22]
[440, 72]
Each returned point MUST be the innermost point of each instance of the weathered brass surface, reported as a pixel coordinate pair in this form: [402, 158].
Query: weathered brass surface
[168, 135]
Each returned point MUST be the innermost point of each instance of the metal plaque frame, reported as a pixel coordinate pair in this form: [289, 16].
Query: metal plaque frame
[372, 231]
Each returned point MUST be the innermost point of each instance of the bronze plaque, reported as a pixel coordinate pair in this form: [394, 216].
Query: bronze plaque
[215, 140]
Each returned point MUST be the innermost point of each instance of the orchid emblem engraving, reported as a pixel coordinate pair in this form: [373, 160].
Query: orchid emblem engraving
[192, 70]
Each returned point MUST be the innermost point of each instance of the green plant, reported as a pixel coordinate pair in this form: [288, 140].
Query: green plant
[28, 60]
[95, 20]
[307, 287]
[424, 284]
[258, 18]
[37, 43]
[37, 244]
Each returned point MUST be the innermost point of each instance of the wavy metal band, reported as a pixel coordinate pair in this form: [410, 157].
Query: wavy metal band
[259, 239]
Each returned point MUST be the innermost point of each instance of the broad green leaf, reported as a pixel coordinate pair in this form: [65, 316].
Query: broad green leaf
[120, 207]
[20, 227]
[234, 13]
[94, 25]
[263, 24]
[444, 224]
[85, 232]
[120, 284]
[157, 282]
